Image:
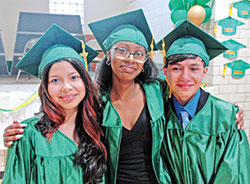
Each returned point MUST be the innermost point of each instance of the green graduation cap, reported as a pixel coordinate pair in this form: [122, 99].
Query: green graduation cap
[233, 46]
[189, 39]
[243, 8]
[229, 25]
[131, 26]
[56, 43]
[238, 68]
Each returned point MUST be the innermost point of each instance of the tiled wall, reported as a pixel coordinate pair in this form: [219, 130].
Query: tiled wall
[227, 88]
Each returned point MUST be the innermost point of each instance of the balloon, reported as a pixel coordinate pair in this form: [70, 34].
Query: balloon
[208, 11]
[202, 2]
[178, 14]
[188, 3]
[174, 4]
[196, 14]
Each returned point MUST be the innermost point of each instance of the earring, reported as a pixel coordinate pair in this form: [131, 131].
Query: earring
[108, 62]
[142, 70]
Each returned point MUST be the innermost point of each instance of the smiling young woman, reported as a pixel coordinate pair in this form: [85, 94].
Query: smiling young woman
[62, 143]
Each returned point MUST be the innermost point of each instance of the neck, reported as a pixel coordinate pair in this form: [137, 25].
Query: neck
[123, 90]
[70, 116]
[68, 126]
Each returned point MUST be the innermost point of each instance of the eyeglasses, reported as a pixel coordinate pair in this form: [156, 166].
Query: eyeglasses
[122, 53]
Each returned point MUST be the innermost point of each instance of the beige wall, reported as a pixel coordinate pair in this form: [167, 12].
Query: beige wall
[96, 10]
[9, 11]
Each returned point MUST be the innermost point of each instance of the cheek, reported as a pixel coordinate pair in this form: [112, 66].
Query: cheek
[81, 89]
[53, 91]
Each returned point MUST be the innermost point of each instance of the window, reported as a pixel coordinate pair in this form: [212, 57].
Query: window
[72, 7]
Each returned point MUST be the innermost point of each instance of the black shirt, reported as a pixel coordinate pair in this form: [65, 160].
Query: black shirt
[135, 161]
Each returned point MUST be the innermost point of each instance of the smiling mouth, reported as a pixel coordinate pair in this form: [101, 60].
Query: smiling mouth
[128, 68]
[68, 97]
[184, 86]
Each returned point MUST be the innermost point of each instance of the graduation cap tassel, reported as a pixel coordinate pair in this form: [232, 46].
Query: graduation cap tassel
[215, 28]
[152, 53]
[163, 52]
[224, 70]
[84, 54]
[169, 89]
[230, 10]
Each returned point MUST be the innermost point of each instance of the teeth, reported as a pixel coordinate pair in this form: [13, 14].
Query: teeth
[68, 97]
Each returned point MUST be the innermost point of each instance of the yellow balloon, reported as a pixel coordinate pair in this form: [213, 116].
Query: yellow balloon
[196, 14]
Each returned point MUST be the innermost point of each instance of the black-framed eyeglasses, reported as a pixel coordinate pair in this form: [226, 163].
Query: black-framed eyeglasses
[123, 53]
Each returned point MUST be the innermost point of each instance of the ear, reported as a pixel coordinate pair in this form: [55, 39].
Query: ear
[205, 72]
[165, 72]
[109, 55]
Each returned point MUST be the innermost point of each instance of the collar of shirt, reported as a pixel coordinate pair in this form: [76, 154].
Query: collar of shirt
[190, 107]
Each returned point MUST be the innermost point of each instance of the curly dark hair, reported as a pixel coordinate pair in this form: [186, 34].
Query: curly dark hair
[104, 75]
[91, 155]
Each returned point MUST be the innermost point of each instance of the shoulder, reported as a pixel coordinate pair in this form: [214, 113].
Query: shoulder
[218, 116]
[222, 105]
[30, 129]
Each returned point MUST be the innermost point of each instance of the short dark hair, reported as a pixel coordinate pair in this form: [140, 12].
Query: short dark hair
[173, 59]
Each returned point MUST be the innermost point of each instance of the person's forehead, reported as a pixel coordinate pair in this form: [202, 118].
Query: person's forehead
[190, 61]
[128, 43]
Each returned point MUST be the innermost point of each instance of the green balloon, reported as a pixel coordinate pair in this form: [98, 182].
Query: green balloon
[202, 2]
[208, 11]
[188, 4]
[178, 14]
[174, 4]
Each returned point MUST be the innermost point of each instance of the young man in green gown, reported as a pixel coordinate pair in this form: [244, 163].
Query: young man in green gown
[202, 143]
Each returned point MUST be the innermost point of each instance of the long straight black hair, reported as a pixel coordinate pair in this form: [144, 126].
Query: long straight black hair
[91, 155]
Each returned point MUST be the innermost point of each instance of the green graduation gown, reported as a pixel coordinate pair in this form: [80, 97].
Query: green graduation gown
[35, 161]
[212, 149]
[113, 132]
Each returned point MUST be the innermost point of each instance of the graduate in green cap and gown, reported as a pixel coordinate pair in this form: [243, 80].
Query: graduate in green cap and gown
[133, 116]
[62, 143]
[201, 143]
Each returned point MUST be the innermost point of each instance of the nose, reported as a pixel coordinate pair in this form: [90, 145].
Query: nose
[130, 58]
[185, 75]
[66, 86]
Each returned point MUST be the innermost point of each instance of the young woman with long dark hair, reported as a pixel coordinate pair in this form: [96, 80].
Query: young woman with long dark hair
[62, 143]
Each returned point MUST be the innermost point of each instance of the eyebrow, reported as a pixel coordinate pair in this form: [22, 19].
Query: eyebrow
[58, 75]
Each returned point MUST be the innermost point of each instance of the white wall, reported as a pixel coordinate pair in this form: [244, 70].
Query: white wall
[227, 88]
[9, 11]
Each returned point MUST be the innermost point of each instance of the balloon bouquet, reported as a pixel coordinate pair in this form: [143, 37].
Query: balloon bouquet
[196, 11]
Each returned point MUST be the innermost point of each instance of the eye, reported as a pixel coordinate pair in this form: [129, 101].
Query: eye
[55, 80]
[194, 68]
[139, 54]
[121, 50]
[175, 68]
[74, 77]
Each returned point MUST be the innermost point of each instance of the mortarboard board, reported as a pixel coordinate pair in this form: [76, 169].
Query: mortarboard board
[56, 43]
[238, 68]
[243, 8]
[131, 26]
[189, 39]
[233, 46]
[229, 25]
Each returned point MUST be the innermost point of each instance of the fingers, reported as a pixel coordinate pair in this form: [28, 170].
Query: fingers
[240, 119]
[12, 133]
[14, 129]
[8, 141]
